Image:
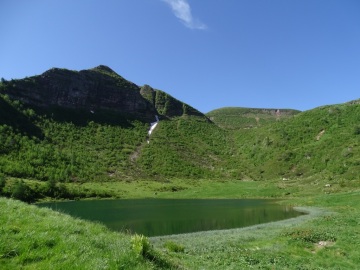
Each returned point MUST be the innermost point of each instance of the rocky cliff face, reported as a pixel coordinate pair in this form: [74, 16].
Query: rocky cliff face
[95, 89]
[166, 104]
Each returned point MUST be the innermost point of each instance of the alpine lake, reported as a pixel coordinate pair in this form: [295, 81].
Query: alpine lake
[157, 217]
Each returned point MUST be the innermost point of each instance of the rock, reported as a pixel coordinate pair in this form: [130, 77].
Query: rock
[93, 90]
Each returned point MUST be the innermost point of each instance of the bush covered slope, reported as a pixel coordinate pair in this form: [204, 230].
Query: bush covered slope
[64, 144]
[322, 141]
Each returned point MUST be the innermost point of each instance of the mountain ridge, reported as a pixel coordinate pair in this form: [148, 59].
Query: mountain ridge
[95, 89]
[243, 117]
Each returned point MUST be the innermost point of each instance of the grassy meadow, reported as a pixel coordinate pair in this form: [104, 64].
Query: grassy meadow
[326, 238]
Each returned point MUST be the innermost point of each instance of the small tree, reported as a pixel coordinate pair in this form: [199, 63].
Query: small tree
[50, 189]
[2, 183]
[357, 130]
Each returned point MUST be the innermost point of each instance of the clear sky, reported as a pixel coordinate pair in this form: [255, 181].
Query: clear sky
[296, 54]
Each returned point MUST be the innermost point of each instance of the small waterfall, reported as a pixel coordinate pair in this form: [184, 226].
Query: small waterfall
[152, 127]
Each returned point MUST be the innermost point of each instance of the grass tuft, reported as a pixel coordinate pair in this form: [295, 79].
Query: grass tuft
[174, 247]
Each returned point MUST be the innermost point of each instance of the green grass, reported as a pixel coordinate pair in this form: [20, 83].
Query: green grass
[36, 238]
[39, 238]
[327, 238]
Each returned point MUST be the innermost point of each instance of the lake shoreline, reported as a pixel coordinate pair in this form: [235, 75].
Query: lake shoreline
[311, 213]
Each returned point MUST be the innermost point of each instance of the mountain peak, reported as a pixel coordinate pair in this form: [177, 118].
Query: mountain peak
[103, 68]
[99, 88]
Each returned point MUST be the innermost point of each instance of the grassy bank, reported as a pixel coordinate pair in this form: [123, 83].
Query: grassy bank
[284, 188]
[33, 238]
[262, 246]
[38, 238]
[325, 239]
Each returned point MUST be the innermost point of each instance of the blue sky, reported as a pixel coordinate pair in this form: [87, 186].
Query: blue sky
[207, 53]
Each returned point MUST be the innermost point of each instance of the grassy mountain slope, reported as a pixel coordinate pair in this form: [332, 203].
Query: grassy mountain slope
[70, 146]
[78, 146]
[61, 144]
[322, 141]
[189, 147]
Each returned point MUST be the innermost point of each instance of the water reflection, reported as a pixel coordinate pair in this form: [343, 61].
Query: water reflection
[165, 216]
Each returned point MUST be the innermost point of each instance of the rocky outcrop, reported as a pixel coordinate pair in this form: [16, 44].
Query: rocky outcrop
[95, 89]
[167, 105]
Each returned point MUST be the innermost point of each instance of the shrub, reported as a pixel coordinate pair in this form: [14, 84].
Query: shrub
[310, 235]
[23, 192]
[50, 188]
[357, 130]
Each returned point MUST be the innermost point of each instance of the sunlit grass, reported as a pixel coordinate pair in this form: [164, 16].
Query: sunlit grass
[38, 238]
[35, 238]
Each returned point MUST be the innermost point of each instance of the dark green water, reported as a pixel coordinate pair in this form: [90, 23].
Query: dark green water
[167, 216]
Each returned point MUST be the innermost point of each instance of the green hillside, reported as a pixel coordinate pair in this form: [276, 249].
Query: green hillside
[323, 141]
[61, 128]
[187, 147]
[64, 145]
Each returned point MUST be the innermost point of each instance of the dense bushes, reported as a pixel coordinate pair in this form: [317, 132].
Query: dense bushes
[319, 141]
[187, 147]
[67, 151]
[60, 146]
[2, 183]
[23, 192]
[31, 191]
